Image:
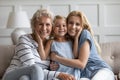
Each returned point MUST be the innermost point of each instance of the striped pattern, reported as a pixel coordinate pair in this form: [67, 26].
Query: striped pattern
[26, 54]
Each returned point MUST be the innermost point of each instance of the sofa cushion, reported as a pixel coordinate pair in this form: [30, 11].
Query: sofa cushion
[6, 53]
[111, 54]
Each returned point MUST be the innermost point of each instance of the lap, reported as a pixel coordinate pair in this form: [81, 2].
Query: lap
[104, 74]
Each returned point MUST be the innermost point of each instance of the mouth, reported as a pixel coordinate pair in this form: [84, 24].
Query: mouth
[72, 31]
[61, 31]
[45, 33]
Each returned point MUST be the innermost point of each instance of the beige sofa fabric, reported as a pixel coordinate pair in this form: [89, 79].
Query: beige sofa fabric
[6, 53]
[110, 53]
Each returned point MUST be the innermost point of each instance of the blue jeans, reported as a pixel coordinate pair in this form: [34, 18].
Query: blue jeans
[24, 77]
[34, 72]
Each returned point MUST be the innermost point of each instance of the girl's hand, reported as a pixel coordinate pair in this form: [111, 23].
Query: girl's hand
[54, 66]
[63, 76]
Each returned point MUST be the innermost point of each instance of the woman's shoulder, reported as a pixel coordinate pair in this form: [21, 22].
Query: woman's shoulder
[25, 38]
[85, 32]
[85, 35]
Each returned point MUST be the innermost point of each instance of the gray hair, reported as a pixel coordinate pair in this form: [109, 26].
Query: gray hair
[38, 14]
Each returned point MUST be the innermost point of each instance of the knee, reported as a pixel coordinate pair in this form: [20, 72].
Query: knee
[25, 77]
[37, 71]
[36, 68]
[108, 75]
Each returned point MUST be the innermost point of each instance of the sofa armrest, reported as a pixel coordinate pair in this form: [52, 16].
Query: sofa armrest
[116, 77]
[6, 54]
[119, 75]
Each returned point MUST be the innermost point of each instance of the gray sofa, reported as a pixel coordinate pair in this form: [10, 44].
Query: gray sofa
[110, 53]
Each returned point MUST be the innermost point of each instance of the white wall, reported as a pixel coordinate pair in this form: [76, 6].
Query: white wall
[104, 15]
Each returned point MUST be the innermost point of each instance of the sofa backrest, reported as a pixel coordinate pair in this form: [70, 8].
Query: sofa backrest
[111, 54]
[6, 53]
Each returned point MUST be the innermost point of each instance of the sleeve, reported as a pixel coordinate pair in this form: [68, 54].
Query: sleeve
[53, 47]
[24, 51]
[50, 75]
[85, 35]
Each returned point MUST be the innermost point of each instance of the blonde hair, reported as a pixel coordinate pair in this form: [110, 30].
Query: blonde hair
[85, 25]
[54, 21]
[38, 14]
[58, 17]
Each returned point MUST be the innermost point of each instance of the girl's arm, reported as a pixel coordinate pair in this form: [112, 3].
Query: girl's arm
[77, 63]
[47, 48]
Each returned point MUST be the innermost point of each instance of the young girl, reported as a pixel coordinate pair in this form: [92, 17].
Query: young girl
[62, 46]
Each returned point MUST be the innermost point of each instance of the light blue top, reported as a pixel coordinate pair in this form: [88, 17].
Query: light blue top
[94, 63]
[64, 49]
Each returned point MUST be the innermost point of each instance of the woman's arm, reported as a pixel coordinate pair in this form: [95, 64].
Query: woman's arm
[77, 63]
[75, 48]
[75, 44]
[24, 51]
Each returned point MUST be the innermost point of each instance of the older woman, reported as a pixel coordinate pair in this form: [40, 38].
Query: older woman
[29, 61]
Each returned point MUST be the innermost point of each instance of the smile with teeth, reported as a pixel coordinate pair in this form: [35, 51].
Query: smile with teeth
[43, 32]
[73, 31]
[61, 31]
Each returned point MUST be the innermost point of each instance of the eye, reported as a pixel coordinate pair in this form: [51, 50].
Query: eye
[47, 24]
[40, 24]
[64, 25]
[57, 25]
[70, 22]
[77, 24]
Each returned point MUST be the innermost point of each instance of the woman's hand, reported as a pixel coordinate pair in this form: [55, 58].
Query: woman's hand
[38, 37]
[63, 76]
[54, 66]
[40, 49]
[78, 33]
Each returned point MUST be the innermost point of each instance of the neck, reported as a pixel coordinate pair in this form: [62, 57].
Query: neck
[60, 39]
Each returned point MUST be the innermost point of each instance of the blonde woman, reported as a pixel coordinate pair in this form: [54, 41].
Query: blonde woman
[88, 59]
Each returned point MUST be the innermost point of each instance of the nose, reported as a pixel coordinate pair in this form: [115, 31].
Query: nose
[44, 27]
[74, 26]
[61, 27]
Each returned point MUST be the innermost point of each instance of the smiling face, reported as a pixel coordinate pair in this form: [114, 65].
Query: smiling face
[41, 23]
[44, 26]
[59, 27]
[73, 25]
